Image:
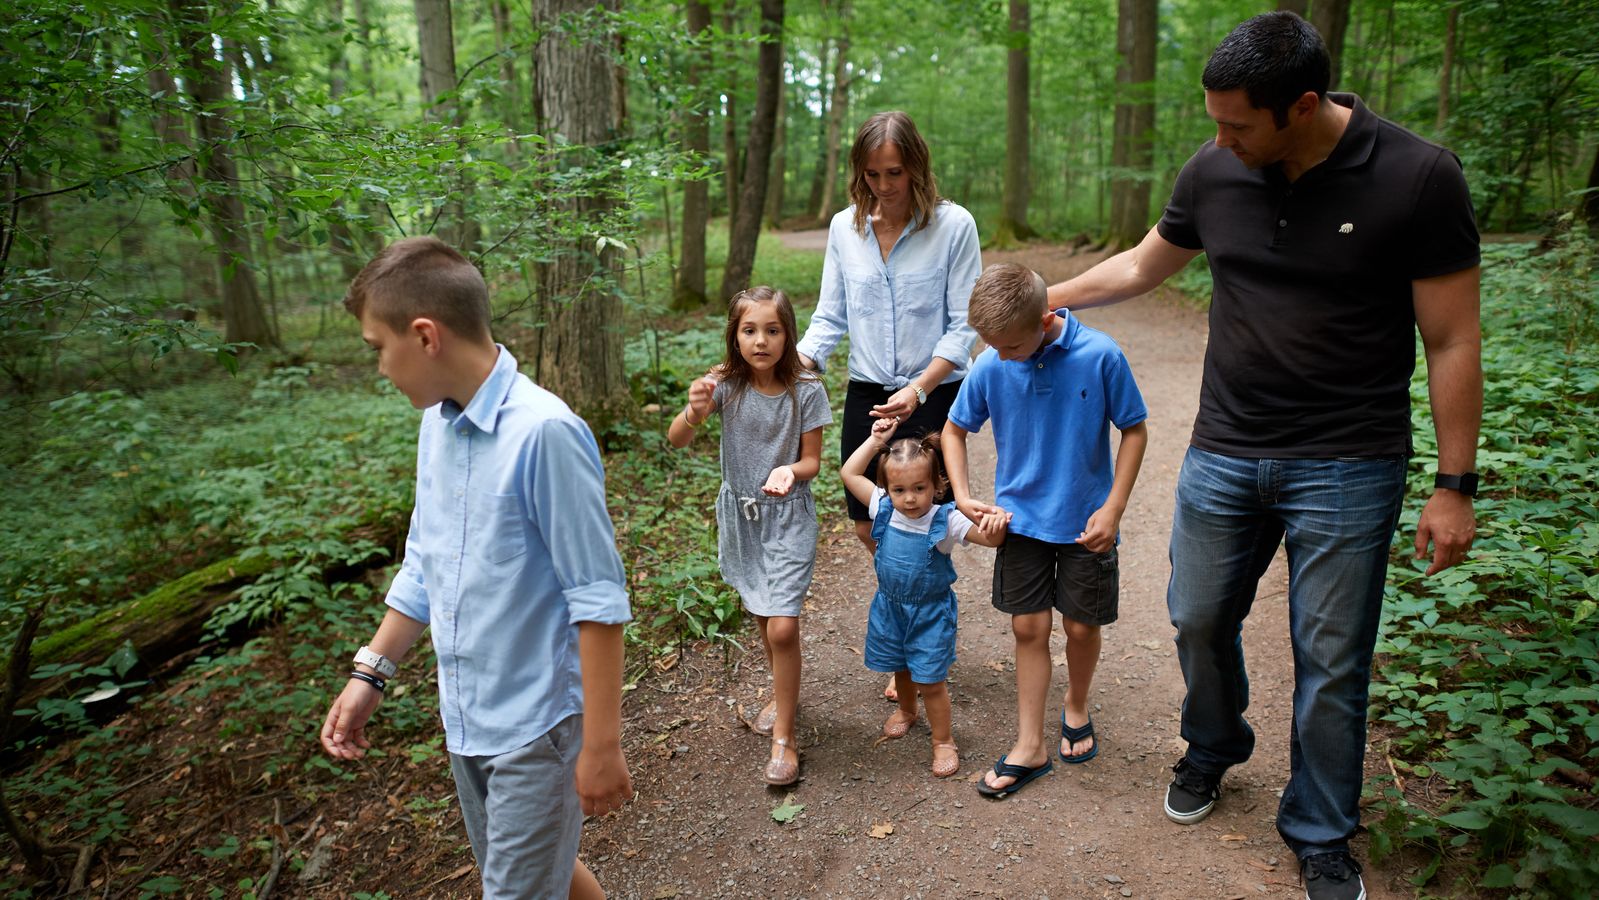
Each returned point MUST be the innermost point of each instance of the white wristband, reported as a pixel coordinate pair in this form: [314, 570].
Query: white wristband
[385, 667]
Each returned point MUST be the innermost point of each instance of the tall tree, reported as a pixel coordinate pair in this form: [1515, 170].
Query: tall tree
[1013, 217]
[1132, 148]
[733, 161]
[774, 182]
[752, 190]
[1331, 18]
[689, 291]
[1298, 7]
[1446, 68]
[837, 110]
[1589, 205]
[437, 77]
[244, 318]
[511, 103]
[813, 204]
[579, 340]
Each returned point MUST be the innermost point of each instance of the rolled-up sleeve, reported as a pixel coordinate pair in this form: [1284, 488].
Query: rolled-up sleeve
[965, 264]
[566, 482]
[408, 593]
[830, 322]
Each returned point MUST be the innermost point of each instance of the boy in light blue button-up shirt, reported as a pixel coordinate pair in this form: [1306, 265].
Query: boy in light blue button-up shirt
[511, 560]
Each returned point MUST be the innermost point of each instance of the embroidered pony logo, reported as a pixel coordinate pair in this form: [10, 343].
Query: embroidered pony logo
[1346, 228]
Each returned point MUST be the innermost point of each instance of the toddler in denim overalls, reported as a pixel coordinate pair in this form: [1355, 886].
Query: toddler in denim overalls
[910, 630]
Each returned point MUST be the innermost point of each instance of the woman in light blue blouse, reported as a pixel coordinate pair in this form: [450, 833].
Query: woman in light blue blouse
[900, 266]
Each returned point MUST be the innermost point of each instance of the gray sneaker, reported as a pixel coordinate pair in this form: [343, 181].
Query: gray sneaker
[1192, 793]
[1332, 876]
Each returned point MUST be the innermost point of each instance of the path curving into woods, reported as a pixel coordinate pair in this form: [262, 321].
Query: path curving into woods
[702, 826]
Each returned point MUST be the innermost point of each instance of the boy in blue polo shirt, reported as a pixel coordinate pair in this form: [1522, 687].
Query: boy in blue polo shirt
[1053, 387]
[511, 561]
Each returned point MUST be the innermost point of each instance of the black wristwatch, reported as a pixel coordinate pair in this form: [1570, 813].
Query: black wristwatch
[1465, 484]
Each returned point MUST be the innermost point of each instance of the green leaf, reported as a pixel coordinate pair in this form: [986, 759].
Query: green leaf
[787, 810]
[123, 659]
[1466, 819]
[1500, 876]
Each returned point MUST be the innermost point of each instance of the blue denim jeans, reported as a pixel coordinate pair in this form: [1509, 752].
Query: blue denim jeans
[1337, 517]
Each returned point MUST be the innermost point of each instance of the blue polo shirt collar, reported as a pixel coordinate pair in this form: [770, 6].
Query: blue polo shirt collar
[1062, 341]
[483, 410]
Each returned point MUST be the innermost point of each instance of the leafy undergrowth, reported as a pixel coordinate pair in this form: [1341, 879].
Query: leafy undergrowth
[212, 783]
[1487, 672]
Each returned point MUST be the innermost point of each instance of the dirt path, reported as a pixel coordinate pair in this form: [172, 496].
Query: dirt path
[702, 824]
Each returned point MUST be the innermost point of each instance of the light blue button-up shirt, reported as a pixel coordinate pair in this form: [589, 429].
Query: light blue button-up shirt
[510, 547]
[901, 313]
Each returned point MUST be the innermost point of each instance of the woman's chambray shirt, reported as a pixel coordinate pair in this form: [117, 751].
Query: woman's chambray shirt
[901, 313]
[510, 548]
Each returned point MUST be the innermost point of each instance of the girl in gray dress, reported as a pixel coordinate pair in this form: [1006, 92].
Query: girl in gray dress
[772, 413]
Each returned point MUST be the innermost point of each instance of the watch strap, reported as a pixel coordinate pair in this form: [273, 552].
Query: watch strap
[1465, 483]
[384, 666]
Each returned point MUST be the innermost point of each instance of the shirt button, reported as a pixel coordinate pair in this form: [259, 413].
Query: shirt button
[1281, 223]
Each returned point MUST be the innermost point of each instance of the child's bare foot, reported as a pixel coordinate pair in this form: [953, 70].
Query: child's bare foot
[898, 724]
[891, 693]
[946, 759]
[783, 767]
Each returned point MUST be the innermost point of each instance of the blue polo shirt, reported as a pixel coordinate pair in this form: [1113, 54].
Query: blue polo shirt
[1052, 414]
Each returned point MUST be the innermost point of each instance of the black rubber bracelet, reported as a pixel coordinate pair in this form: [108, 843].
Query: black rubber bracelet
[376, 682]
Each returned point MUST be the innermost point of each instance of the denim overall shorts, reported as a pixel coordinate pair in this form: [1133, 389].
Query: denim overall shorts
[911, 625]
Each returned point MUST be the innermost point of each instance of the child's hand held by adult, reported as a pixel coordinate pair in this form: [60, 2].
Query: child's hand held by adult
[993, 522]
[883, 429]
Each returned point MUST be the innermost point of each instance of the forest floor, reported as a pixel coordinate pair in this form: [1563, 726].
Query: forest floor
[875, 822]
[214, 806]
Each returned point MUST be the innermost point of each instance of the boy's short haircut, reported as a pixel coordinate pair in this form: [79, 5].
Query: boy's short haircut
[1005, 297]
[422, 277]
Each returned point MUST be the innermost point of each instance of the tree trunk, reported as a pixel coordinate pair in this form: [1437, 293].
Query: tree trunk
[689, 292]
[363, 30]
[436, 49]
[774, 182]
[1013, 219]
[341, 239]
[580, 335]
[1446, 70]
[752, 190]
[813, 205]
[244, 318]
[730, 166]
[1590, 198]
[1299, 7]
[837, 110]
[1132, 150]
[511, 102]
[1331, 18]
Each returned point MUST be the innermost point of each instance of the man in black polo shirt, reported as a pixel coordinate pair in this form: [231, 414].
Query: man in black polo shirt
[1332, 236]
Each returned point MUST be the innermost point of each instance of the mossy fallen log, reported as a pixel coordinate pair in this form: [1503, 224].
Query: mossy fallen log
[159, 624]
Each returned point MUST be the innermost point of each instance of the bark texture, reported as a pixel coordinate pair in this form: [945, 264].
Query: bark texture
[689, 291]
[1013, 220]
[837, 110]
[1132, 149]
[579, 334]
[243, 315]
[752, 189]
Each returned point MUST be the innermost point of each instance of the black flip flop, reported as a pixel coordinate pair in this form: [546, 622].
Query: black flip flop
[1022, 774]
[1078, 734]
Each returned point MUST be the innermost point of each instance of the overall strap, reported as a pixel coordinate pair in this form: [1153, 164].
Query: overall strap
[885, 511]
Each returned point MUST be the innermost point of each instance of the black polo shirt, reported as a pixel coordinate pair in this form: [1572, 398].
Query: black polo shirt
[1312, 330]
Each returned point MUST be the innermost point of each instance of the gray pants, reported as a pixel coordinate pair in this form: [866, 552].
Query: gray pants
[522, 814]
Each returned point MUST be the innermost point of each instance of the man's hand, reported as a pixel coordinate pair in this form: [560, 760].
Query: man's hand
[344, 730]
[1449, 523]
[603, 783]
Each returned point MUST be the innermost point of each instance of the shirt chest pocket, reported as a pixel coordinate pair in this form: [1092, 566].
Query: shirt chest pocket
[919, 293]
[499, 528]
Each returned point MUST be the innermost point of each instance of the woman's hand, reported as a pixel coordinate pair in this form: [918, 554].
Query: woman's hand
[899, 404]
[779, 483]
